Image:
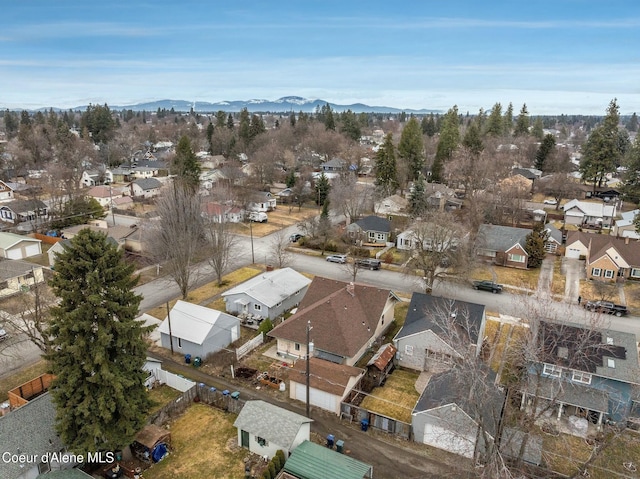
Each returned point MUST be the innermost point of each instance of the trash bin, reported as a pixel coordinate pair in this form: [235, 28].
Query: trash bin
[235, 395]
[225, 392]
[364, 425]
[330, 440]
[187, 358]
[197, 361]
[340, 446]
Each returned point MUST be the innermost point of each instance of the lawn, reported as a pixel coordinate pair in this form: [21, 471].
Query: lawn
[161, 396]
[397, 398]
[278, 219]
[200, 447]
[632, 295]
[559, 279]
[596, 290]
[21, 377]
[521, 278]
[502, 340]
[209, 290]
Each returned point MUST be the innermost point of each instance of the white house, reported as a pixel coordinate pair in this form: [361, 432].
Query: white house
[625, 227]
[6, 192]
[198, 330]
[14, 246]
[269, 294]
[589, 214]
[264, 429]
[263, 201]
[145, 188]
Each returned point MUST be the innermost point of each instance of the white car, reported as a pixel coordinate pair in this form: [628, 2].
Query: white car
[550, 202]
[337, 258]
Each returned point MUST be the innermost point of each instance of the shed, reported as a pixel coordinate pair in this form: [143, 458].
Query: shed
[152, 442]
[380, 365]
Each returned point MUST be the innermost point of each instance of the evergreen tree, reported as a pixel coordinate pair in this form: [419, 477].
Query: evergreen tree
[185, 164]
[78, 211]
[99, 122]
[631, 178]
[98, 349]
[292, 120]
[522, 123]
[632, 124]
[418, 198]
[385, 166]
[508, 119]
[256, 127]
[449, 139]
[534, 245]
[11, 123]
[545, 149]
[472, 139]
[538, 129]
[350, 125]
[230, 124]
[210, 129]
[322, 189]
[244, 128]
[411, 147]
[290, 181]
[495, 123]
[328, 118]
[429, 125]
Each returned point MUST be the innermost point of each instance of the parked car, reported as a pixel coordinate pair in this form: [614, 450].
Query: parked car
[295, 237]
[606, 307]
[337, 258]
[3, 335]
[550, 202]
[487, 285]
[369, 263]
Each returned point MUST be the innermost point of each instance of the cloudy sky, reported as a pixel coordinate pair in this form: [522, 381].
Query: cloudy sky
[561, 56]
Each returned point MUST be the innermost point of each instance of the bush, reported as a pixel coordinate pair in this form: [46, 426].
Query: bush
[276, 462]
[265, 326]
[266, 474]
[272, 469]
[360, 252]
[280, 454]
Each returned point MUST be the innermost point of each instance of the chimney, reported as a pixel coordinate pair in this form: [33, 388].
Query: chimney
[351, 289]
[626, 240]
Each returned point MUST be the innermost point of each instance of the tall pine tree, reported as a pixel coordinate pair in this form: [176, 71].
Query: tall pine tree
[522, 123]
[411, 147]
[97, 348]
[186, 166]
[386, 168]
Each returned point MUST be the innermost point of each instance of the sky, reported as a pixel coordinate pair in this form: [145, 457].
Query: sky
[560, 56]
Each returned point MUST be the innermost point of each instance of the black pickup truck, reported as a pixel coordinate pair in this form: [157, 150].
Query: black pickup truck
[487, 286]
[606, 307]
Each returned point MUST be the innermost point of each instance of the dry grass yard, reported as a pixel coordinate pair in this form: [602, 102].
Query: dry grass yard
[161, 396]
[520, 278]
[397, 398]
[203, 446]
[280, 218]
[21, 377]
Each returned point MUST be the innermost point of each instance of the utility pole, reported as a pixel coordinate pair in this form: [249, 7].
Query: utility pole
[309, 346]
[253, 259]
[169, 321]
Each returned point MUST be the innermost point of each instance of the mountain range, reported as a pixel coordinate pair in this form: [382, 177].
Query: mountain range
[282, 105]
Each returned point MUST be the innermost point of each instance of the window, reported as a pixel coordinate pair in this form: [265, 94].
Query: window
[488, 253]
[297, 346]
[609, 341]
[180, 342]
[516, 258]
[635, 272]
[372, 235]
[611, 363]
[608, 273]
[552, 370]
[581, 377]
[257, 307]
[408, 349]
[262, 441]
[279, 304]
[595, 272]
[380, 236]
[297, 292]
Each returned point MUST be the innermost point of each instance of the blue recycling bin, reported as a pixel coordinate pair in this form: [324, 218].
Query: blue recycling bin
[187, 358]
[225, 392]
[364, 425]
[330, 440]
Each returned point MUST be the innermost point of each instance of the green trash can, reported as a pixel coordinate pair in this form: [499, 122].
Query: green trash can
[197, 361]
[340, 446]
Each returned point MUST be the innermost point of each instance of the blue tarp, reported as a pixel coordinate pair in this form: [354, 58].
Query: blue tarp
[159, 452]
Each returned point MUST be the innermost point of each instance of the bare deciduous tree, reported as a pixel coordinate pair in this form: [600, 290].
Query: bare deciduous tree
[220, 246]
[179, 234]
[350, 198]
[279, 252]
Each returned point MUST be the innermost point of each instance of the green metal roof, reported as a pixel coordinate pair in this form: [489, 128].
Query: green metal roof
[312, 461]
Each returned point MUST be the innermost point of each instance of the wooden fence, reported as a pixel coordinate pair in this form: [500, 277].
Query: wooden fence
[249, 346]
[376, 421]
[174, 408]
[215, 397]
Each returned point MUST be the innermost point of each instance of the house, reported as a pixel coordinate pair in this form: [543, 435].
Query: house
[441, 197]
[117, 234]
[264, 429]
[391, 205]
[14, 246]
[334, 165]
[18, 211]
[607, 258]
[197, 330]
[433, 236]
[6, 192]
[371, 229]
[591, 373]
[122, 203]
[268, 295]
[346, 318]
[56, 249]
[451, 417]
[220, 213]
[329, 383]
[426, 341]
[145, 188]
[140, 172]
[626, 227]
[96, 177]
[262, 201]
[589, 214]
[16, 275]
[30, 430]
[503, 245]
[312, 461]
[104, 194]
[554, 239]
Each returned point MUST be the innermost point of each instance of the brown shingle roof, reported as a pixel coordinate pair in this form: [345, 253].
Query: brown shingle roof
[325, 375]
[342, 322]
[600, 243]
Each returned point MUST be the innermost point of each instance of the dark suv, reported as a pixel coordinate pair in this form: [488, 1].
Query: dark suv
[369, 263]
[487, 286]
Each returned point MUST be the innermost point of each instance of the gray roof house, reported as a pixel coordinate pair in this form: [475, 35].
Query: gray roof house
[16, 275]
[198, 330]
[264, 428]
[23, 210]
[145, 188]
[371, 229]
[503, 245]
[451, 417]
[425, 343]
[30, 430]
[268, 295]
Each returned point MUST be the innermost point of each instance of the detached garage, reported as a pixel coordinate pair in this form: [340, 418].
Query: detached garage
[14, 246]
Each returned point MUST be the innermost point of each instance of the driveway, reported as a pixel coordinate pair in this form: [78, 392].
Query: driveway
[573, 270]
[546, 276]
